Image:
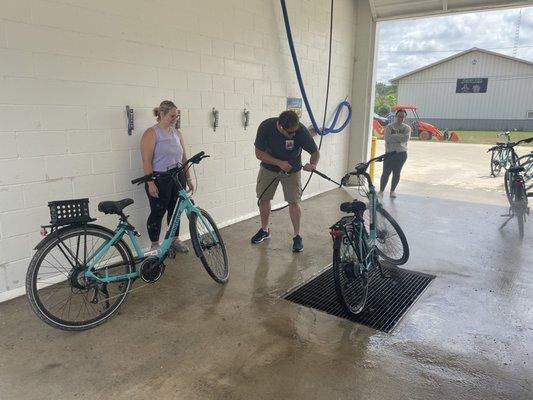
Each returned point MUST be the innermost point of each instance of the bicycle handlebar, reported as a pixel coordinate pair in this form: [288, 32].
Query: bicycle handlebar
[193, 160]
[361, 168]
[510, 144]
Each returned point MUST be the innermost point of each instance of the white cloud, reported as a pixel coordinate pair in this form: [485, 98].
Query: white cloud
[410, 44]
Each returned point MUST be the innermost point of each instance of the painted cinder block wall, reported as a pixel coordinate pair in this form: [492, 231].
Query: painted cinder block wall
[68, 68]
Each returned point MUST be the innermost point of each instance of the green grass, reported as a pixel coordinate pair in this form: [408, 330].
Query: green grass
[486, 137]
[491, 137]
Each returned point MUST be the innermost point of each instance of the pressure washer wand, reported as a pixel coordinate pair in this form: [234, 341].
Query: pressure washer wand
[326, 177]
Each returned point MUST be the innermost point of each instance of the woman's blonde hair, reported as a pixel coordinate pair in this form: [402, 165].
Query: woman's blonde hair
[163, 109]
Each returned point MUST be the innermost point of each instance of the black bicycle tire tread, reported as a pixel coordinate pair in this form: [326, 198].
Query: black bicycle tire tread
[31, 296]
[198, 251]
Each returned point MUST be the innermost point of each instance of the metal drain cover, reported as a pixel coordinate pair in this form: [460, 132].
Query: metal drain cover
[387, 302]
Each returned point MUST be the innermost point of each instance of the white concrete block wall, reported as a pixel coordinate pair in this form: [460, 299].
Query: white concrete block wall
[68, 68]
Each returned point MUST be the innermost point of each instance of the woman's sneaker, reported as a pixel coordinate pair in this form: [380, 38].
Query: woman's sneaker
[260, 236]
[179, 247]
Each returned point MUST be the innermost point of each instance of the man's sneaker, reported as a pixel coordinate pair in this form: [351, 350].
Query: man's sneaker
[392, 195]
[297, 244]
[154, 246]
[260, 236]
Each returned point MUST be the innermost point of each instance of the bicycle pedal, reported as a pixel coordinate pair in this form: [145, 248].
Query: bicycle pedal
[171, 253]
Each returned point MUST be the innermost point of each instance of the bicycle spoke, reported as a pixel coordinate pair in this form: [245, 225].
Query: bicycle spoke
[63, 294]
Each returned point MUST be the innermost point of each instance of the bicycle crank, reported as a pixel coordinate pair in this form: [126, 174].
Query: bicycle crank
[151, 269]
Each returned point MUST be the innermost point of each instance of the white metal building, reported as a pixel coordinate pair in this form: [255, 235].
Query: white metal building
[475, 89]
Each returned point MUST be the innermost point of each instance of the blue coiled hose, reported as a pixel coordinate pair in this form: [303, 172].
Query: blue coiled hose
[324, 131]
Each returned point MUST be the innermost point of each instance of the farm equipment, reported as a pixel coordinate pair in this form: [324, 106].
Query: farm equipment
[378, 123]
[424, 130]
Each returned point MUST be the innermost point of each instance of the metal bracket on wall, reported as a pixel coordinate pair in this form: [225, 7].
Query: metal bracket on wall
[246, 114]
[215, 118]
[177, 125]
[129, 116]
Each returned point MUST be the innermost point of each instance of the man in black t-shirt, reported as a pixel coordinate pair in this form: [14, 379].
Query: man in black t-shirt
[278, 144]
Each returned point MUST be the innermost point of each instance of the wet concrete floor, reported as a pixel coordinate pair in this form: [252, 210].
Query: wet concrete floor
[469, 336]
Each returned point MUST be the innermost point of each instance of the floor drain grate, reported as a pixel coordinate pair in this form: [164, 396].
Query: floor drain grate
[388, 299]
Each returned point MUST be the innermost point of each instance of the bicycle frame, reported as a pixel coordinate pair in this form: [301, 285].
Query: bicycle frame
[505, 156]
[185, 204]
[366, 239]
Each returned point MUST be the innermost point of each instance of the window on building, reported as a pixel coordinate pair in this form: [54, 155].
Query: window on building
[530, 115]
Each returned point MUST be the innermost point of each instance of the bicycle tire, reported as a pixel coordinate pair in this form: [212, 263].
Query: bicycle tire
[350, 276]
[507, 183]
[520, 208]
[386, 229]
[495, 166]
[41, 262]
[521, 217]
[204, 242]
[526, 161]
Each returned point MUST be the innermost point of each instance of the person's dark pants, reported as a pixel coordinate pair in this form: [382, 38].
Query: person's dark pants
[165, 203]
[394, 165]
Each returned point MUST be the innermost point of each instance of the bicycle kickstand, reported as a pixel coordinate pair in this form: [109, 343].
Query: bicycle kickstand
[388, 270]
[506, 221]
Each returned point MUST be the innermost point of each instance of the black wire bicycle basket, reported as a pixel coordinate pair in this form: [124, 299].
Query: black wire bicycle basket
[66, 212]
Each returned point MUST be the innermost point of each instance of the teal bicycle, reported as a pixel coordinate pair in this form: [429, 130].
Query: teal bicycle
[503, 156]
[362, 243]
[81, 272]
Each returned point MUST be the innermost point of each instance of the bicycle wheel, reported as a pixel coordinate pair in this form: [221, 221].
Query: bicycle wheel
[390, 240]
[507, 183]
[495, 165]
[521, 221]
[57, 289]
[209, 246]
[350, 275]
[527, 162]
[519, 204]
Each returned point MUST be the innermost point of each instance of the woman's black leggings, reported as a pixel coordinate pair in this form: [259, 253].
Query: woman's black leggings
[165, 203]
[393, 164]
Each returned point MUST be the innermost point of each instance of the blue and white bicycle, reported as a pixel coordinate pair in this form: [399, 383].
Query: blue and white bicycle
[81, 272]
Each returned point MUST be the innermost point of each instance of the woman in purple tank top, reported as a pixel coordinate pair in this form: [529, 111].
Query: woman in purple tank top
[162, 146]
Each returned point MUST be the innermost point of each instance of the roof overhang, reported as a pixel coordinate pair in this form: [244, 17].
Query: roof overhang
[383, 10]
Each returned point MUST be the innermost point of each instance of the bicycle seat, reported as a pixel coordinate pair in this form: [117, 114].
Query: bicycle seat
[500, 143]
[114, 207]
[356, 207]
[516, 169]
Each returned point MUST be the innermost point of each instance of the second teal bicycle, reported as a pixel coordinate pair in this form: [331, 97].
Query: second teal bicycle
[361, 244]
[81, 272]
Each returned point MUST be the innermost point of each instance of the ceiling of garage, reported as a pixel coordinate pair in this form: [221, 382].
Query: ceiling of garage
[393, 9]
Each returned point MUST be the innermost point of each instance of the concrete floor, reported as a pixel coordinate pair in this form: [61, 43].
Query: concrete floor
[460, 165]
[470, 335]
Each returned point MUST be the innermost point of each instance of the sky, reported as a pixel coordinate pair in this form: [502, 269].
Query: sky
[410, 44]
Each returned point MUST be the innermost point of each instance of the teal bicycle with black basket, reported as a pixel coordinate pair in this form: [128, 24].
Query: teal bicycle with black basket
[81, 272]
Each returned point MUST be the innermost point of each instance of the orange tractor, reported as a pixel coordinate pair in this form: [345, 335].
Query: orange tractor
[423, 130]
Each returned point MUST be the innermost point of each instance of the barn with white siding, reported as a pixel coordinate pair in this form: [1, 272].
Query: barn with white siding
[473, 90]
